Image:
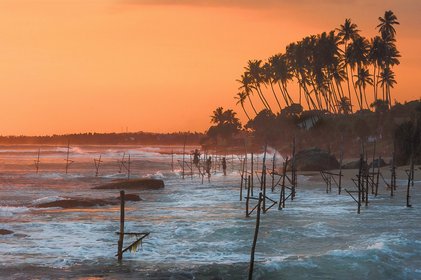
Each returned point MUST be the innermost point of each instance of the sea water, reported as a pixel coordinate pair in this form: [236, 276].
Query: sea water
[197, 230]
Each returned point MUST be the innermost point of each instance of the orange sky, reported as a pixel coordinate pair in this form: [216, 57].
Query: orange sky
[162, 66]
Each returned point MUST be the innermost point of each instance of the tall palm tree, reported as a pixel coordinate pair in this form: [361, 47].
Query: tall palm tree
[347, 31]
[386, 26]
[376, 57]
[356, 56]
[268, 77]
[387, 81]
[363, 79]
[246, 87]
[282, 74]
[254, 69]
[241, 97]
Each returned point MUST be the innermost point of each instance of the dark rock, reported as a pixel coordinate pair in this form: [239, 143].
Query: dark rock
[131, 197]
[315, 159]
[77, 203]
[5, 232]
[133, 184]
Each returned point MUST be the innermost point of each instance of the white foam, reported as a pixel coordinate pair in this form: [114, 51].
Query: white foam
[7, 211]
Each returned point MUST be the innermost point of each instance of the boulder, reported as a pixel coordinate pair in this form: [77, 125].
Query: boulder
[5, 232]
[77, 203]
[133, 184]
[315, 159]
[87, 202]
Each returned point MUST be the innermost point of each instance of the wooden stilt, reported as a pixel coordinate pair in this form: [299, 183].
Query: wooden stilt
[68, 161]
[97, 163]
[121, 235]
[36, 162]
[256, 233]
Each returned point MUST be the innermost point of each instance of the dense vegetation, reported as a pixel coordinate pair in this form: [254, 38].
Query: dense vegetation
[344, 81]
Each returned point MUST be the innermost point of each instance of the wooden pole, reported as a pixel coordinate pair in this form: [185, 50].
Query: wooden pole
[121, 235]
[282, 195]
[378, 163]
[273, 171]
[248, 197]
[251, 180]
[293, 171]
[256, 233]
[37, 161]
[359, 182]
[184, 152]
[128, 168]
[172, 160]
[341, 157]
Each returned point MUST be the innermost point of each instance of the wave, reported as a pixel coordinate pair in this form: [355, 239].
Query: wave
[8, 211]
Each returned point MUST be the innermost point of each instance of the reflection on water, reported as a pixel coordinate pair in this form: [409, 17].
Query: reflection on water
[197, 231]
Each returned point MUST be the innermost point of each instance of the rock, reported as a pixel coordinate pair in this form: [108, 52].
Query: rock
[131, 197]
[87, 202]
[133, 184]
[315, 159]
[77, 203]
[377, 163]
[5, 232]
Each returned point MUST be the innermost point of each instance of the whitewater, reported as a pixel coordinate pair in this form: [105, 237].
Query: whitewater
[197, 231]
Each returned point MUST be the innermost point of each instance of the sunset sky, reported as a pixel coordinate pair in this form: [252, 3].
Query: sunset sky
[161, 65]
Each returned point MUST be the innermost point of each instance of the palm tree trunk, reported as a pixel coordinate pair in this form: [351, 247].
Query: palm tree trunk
[355, 88]
[245, 112]
[264, 99]
[283, 94]
[276, 98]
[251, 103]
[284, 86]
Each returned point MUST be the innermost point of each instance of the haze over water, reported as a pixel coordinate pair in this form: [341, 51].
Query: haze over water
[198, 231]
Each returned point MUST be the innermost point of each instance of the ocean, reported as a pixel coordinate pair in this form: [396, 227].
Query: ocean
[197, 230]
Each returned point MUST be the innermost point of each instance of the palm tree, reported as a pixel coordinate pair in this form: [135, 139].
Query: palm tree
[241, 97]
[218, 116]
[255, 71]
[246, 87]
[347, 31]
[385, 27]
[344, 105]
[268, 77]
[363, 78]
[387, 81]
[282, 74]
[356, 57]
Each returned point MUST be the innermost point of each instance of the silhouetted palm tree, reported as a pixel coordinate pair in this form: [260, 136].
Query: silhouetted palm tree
[386, 25]
[387, 81]
[356, 56]
[363, 79]
[344, 105]
[246, 87]
[347, 31]
[268, 78]
[254, 69]
[241, 97]
[282, 74]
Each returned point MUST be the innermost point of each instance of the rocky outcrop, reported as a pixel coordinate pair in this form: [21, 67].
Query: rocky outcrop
[133, 184]
[5, 232]
[315, 159]
[86, 202]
